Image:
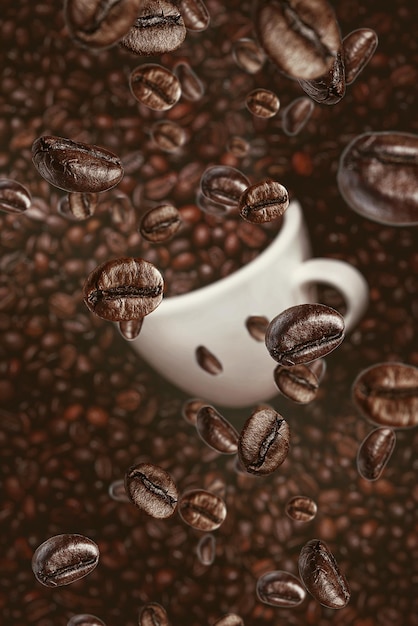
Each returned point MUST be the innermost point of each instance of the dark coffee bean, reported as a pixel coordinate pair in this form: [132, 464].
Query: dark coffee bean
[375, 452]
[152, 490]
[298, 383]
[238, 146]
[85, 620]
[301, 509]
[206, 549]
[378, 177]
[160, 223]
[202, 510]
[130, 329]
[321, 575]
[117, 491]
[123, 289]
[98, 24]
[257, 326]
[248, 55]
[78, 206]
[263, 202]
[229, 619]
[195, 14]
[318, 368]
[63, 559]
[14, 197]
[224, 185]
[216, 431]
[208, 361]
[153, 614]
[301, 38]
[387, 394]
[330, 88]
[296, 115]
[303, 333]
[168, 136]
[159, 28]
[155, 86]
[191, 408]
[262, 103]
[75, 166]
[264, 441]
[191, 86]
[279, 588]
[358, 47]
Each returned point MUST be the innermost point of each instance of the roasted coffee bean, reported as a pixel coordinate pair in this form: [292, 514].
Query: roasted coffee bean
[301, 38]
[130, 329]
[223, 185]
[85, 620]
[191, 86]
[378, 177]
[329, 88]
[160, 223]
[257, 326]
[14, 197]
[279, 588]
[152, 490]
[206, 549]
[98, 24]
[358, 47]
[208, 361]
[296, 115]
[375, 452]
[191, 408]
[298, 383]
[216, 431]
[153, 614]
[262, 103]
[75, 166]
[387, 394]
[159, 28]
[301, 509]
[123, 289]
[238, 146]
[155, 86]
[303, 333]
[229, 619]
[263, 444]
[213, 208]
[321, 575]
[63, 559]
[195, 14]
[248, 55]
[318, 368]
[78, 206]
[117, 491]
[202, 510]
[263, 202]
[168, 136]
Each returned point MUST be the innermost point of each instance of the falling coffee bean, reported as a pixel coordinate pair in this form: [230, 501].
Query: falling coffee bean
[14, 197]
[329, 88]
[206, 549]
[152, 490]
[216, 431]
[279, 588]
[223, 184]
[248, 55]
[257, 326]
[78, 206]
[263, 444]
[318, 368]
[303, 333]
[153, 614]
[296, 115]
[229, 619]
[75, 166]
[321, 575]
[263, 202]
[130, 329]
[387, 394]
[191, 86]
[301, 509]
[262, 103]
[378, 177]
[160, 223]
[63, 559]
[213, 208]
[85, 620]
[202, 510]
[238, 146]
[155, 86]
[168, 136]
[117, 491]
[375, 452]
[208, 361]
[195, 14]
[191, 408]
[298, 383]
[123, 289]
[358, 47]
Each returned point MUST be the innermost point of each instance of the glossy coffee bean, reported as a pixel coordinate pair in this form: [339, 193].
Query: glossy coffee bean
[208, 361]
[297, 383]
[202, 510]
[192, 87]
[63, 559]
[153, 614]
[78, 206]
[281, 589]
[329, 88]
[257, 326]
[223, 184]
[168, 136]
[296, 115]
[216, 431]
[158, 28]
[263, 202]
[160, 223]
[263, 444]
[374, 453]
[195, 14]
[152, 490]
[14, 197]
[130, 329]
[262, 103]
[85, 619]
[248, 55]
[155, 86]
[206, 549]
[359, 47]
[301, 508]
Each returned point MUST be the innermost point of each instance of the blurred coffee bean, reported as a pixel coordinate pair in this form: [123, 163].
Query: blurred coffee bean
[216, 431]
[301, 508]
[152, 490]
[263, 444]
[206, 549]
[329, 88]
[155, 86]
[223, 185]
[117, 491]
[202, 510]
[153, 614]
[318, 368]
[195, 14]
[191, 86]
[168, 136]
[263, 202]
[257, 326]
[262, 103]
[213, 208]
[130, 329]
[374, 453]
[359, 47]
[297, 383]
[14, 197]
[191, 408]
[229, 619]
[78, 206]
[238, 146]
[279, 588]
[85, 620]
[63, 559]
[158, 28]
[248, 55]
[296, 115]
[160, 224]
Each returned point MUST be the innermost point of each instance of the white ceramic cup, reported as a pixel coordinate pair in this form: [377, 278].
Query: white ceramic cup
[214, 316]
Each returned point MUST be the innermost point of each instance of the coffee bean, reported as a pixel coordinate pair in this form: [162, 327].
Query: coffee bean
[303, 333]
[298, 383]
[359, 47]
[100, 24]
[213, 208]
[229, 619]
[202, 510]
[153, 614]
[216, 431]
[257, 326]
[152, 490]
[85, 620]
[374, 453]
[263, 202]
[117, 491]
[130, 329]
[264, 441]
[301, 509]
[78, 206]
[301, 38]
[160, 223]
[321, 575]
[262, 103]
[329, 88]
[318, 368]
[387, 394]
[63, 559]
[206, 549]
[191, 86]
[123, 289]
[190, 409]
[75, 166]
[248, 55]
[14, 197]
[296, 115]
[195, 14]
[168, 136]
[159, 28]
[378, 177]
[208, 361]
[279, 588]
[155, 86]
[223, 185]
[238, 146]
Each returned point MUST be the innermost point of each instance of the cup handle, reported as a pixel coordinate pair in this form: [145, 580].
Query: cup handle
[344, 277]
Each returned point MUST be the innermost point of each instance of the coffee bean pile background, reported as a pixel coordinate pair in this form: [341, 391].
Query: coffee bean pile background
[77, 405]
